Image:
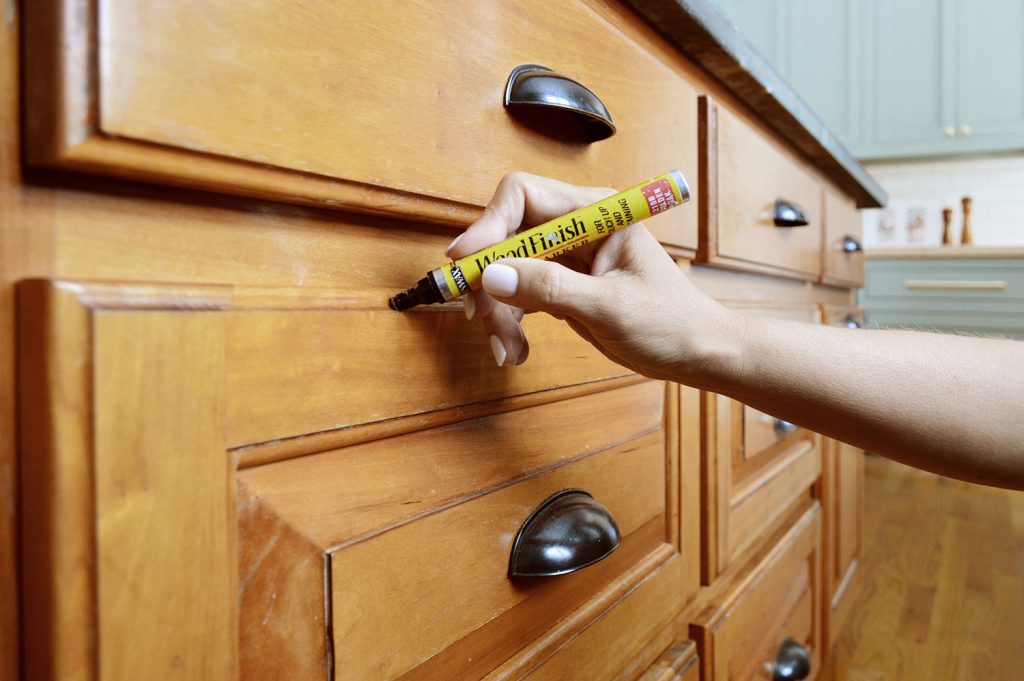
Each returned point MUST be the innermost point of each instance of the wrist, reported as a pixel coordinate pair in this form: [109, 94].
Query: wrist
[719, 356]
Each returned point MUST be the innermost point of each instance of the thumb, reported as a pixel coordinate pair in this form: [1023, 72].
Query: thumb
[544, 286]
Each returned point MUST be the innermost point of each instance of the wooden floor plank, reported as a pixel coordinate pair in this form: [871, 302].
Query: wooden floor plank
[943, 582]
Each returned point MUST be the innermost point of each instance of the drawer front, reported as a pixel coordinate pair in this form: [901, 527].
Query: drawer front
[739, 635]
[841, 266]
[679, 663]
[971, 296]
[760, 465]
[745, 174]
[366, 107]
[412, 537]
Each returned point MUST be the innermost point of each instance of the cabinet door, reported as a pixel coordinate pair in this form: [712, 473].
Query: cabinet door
[824, 62]
[912, 75]
[990, 72]
[763, 23]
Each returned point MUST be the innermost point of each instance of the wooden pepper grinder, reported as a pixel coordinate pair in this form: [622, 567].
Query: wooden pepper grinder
[947, 226]
[965, 236]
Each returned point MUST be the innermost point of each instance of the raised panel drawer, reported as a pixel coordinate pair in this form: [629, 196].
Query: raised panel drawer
[759, 465]
[841, 265]
[744, 173]
[740, 633]
[411, 538]
[340, 104]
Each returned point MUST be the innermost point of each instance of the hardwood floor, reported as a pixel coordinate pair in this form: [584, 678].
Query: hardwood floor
[943, 593]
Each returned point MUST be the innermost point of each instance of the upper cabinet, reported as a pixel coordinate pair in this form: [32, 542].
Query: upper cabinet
[900, 78]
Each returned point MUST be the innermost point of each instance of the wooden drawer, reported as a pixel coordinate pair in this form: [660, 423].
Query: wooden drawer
[739, 634]
[758, 466]
[411, 538]
[337, 105]
[840, 266]
[743, 174]
[679, 663]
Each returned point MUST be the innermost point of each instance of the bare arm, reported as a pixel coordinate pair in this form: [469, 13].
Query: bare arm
[949, 404]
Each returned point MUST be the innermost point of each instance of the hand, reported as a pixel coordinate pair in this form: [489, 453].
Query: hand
[624, 293]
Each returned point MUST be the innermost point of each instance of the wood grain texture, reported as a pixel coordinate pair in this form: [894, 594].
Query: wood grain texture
[161, 111]
[382, 611]
[841, 219]
[750, 173]
[777, 596]
[164, 504]
[302, 372]
[943, 580]
[678, 663]
[58, 531]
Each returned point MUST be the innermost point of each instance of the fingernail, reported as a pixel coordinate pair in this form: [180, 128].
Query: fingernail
[501, 280]
[499, 350]
[452, 244]
[470, 305]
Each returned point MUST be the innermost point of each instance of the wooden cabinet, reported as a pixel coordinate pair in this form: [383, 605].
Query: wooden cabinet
[739, 634]
[758, 467]
[235, 462]
[747, 176]
[842, 250]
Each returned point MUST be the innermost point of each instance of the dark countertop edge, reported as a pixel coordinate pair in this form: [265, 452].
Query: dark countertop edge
[701, 31]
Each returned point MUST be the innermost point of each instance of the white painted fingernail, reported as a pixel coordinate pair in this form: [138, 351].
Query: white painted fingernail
[501, 280]
[499, 350]
[452, 244]
[469, 304]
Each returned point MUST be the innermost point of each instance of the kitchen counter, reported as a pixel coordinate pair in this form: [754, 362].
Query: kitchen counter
[944, 253]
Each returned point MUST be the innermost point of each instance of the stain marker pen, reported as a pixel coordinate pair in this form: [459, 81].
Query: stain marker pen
[551, 239]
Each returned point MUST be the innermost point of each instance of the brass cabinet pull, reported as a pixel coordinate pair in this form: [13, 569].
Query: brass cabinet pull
[953, 285]
[567, 532]
[788, 214]
[533, 85]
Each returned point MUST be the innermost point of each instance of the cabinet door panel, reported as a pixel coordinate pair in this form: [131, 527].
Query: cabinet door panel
[990, 69]
[913, 69]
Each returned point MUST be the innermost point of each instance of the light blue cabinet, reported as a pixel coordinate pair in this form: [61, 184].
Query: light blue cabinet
[900, 78]
[814, 45]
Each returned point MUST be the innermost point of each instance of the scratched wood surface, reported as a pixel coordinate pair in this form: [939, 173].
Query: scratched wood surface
[943, 581]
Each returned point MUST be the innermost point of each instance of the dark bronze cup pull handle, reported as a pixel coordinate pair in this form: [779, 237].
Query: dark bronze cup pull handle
[851, 245]
[567, 532]
[533, 85]
[792, 662]
[788, 214]
[852, 321]
[784, 427]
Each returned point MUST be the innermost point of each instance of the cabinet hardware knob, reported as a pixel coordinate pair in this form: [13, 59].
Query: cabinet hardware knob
[533, 85]
[784, 427]
[852, 321]
[788, 214]
[567, 532]
[966, 130]
[792, 662]
[950, 131]
[851, 245]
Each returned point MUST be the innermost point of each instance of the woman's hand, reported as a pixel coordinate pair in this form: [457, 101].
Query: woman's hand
[624, 293]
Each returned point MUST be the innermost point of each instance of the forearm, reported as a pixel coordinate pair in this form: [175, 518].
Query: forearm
[949, 404]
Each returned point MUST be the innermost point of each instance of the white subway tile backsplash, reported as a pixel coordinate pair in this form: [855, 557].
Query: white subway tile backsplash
[995, 184]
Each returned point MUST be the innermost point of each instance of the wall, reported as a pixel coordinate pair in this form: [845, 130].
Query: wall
[996, 185]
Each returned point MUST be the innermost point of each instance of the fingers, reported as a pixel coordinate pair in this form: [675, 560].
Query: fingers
[508, 342]
[545, 286]
[522, 198]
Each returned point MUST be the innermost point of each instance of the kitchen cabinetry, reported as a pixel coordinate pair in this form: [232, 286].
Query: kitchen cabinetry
[900, 79]
[956, 289]
[237, 463]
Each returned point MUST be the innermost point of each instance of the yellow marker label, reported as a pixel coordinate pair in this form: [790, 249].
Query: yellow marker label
[570, 231]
